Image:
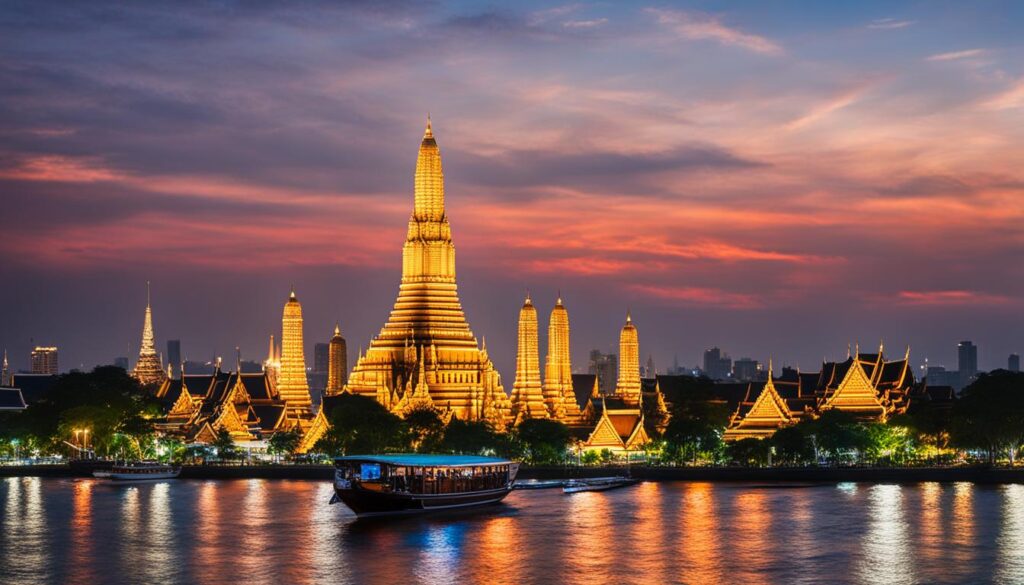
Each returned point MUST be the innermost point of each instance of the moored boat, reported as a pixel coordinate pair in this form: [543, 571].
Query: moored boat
[141, 471]
[599, 484]
[374, 485]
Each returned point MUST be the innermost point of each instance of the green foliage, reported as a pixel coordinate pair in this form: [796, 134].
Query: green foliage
[225, 446]
[426, 429]
[473, 438]
[361, 425]
[749, 451]
[544, 442]
[792, 446]
[606, 455]
[990, 415]
[694, 432]
[284, 442]
[836, 435]
[888, 443]
[590, 458]
[106, 401]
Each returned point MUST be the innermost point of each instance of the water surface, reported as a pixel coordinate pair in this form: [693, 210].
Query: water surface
[271, 531]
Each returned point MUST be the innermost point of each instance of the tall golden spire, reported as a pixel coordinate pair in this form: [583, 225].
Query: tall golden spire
[292, 384]
[628, 387]
[527, 396]
[148, 369]
[558, 391]
[428, 314]
[337, 362]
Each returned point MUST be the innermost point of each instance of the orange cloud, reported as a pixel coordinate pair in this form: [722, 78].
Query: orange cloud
[949, 297]
[692, 295]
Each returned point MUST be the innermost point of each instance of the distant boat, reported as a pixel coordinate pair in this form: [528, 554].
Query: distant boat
[374, 485]
[141, 471]
[598, 484]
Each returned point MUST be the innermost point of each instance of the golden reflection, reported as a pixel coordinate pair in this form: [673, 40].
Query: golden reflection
[82, 548]
[699, 539]
[1010, 562]
[255, 515]
[207, 530]
[751, 536]
[931, 546]
[160, 546]
[499, 550]
[647, 531]
[589, 513]
[962, 530]
[298, 567]
[888, 555]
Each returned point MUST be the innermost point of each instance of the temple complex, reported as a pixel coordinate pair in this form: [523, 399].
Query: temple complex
[148, 369]
[426, 352]
[528, 399]
[865, 385]
[337, 363]
[292, 384]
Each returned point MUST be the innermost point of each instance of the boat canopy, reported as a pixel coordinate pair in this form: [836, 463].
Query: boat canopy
[425, 460]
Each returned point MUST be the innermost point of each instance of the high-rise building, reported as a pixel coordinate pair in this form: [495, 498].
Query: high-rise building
[148, 368]
[967, 362]
[292, 384]
[605, 366]
[527, 392]
[558, 389]
[717, 364]
[174, 355]
[745, 369]
[650, 371]
[427, 322]
[44, 360]
[1013, 363]
[337, 367]
[321, 358]
[628, 385]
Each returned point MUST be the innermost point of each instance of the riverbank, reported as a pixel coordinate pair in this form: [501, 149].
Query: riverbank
[980, 475]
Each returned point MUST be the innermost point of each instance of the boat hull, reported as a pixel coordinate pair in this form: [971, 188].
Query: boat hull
[124, 477]
[373, 503]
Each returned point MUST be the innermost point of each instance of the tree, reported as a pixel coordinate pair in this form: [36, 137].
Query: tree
[837, 434]
[224, 443]
[544, 441]
[792, 445]
[749, 451]
[697, 424]
[284, 442]
[361, 425]
[472, 437]
[990, 415]
[426, 429]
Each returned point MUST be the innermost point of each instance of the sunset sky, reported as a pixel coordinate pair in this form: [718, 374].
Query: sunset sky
[774, 178]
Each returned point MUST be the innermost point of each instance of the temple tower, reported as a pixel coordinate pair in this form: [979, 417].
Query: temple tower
[292, 385]
[558, 392]
[527, 395]
[5, 374]
[337, 362]
[428, 317]
[148, 369]
[628, 386]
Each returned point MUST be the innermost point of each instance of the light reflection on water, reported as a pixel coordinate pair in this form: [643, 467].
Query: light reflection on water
[257, 531]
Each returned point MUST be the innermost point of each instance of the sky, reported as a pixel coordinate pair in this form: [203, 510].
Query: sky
[780, 179]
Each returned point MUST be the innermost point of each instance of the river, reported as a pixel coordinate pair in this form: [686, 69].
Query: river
[245, 532]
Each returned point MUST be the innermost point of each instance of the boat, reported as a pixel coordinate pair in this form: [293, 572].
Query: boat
[376, 485]
[141, 471]
[598, 484]
[539, 484]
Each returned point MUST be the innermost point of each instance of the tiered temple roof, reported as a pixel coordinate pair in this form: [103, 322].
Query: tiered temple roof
[148, 369]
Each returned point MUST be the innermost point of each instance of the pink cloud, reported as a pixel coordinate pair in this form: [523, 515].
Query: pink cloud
[949, 297]
[703, 27]
[692, 295]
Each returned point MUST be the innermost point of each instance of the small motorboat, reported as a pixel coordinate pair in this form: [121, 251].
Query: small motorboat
[539, 484]
[141, 471]
[598, 484]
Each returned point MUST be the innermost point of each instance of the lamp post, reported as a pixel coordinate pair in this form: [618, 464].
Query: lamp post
[86, 431]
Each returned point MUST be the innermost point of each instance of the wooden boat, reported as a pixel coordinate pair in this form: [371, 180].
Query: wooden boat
[598, 484]
[374, 485]
[141, 471]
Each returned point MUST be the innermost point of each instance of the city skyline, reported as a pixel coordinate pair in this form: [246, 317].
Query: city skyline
[778, 192]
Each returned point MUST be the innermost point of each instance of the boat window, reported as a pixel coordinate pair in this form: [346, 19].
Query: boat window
[369, 471]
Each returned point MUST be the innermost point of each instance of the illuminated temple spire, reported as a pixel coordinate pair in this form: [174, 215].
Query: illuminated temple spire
[428, 315]
[628, 386]
[558, 392]
[148, 369]
[527, 396]
[292, 385]
[337, 362]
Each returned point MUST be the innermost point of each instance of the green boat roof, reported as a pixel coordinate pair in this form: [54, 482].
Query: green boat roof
[425, 460]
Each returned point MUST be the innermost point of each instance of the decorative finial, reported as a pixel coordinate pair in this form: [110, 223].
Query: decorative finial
[769, 368]
[528, 301]
[337, 329]
[429, 132]
[881, 346]
[147, 294]
[906, 356]
[629, 316]
[291, 295]
[559, 301]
